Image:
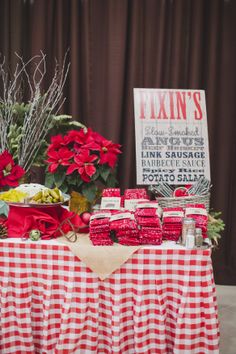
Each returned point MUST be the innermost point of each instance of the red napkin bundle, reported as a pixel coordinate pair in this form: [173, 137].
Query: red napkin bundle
[22, 220]
[150, 236]
[111, 192]
[99, 230]
[198, 212]
[101, 239]
[145, 212]
[172, 223]
[136, 193]
[148, 219]
[129, 241]
[123, 225]
[125, 228]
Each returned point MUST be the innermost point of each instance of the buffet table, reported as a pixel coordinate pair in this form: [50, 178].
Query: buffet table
[162, 300]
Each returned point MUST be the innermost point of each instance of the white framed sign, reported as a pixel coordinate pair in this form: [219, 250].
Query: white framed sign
[171, 136]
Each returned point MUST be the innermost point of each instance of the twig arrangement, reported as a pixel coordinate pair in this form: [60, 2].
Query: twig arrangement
[42, 105]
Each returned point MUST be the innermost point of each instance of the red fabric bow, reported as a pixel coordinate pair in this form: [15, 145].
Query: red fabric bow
[47, 220]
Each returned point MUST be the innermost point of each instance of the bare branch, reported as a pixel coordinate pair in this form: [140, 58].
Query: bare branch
[42, 105]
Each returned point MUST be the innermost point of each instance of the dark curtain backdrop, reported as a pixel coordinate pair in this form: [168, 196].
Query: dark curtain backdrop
[116, 45]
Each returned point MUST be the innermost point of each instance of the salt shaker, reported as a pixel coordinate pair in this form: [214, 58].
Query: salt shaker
[188, 225]
[190, 239]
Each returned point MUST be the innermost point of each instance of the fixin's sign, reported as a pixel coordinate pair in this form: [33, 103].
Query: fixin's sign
[171, 136]
[170, 104]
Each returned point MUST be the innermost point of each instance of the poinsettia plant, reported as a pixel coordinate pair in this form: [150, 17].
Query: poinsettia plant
[10, 173]
[83, 161]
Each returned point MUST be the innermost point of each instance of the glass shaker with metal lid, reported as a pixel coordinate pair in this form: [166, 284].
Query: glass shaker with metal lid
[198, 237]
[187, 224]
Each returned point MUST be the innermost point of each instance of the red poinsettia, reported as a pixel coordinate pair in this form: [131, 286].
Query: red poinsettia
[108, 150]
[78, 136]
[84, 165]
[83, 137]
[58, 157]
[57, 141]
[82, 161]
[108, 153]
[10, 173]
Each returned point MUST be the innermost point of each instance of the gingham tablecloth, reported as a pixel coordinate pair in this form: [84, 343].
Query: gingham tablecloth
[159, 301]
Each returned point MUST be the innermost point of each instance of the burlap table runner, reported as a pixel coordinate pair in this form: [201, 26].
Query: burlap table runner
[102, 260]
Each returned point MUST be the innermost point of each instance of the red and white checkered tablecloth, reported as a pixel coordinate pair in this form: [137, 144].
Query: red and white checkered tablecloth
[159, 301]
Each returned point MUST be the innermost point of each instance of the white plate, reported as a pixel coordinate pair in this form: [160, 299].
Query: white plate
[40, 205]
[31, 189]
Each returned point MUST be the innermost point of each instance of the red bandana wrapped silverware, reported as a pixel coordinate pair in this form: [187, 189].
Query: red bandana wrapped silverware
[172, 223]
[125, 228]
[199, 214]
[111, 192]
[136, 193]
[111, 199]
[133, 196]
[148, 218]
[99, 229]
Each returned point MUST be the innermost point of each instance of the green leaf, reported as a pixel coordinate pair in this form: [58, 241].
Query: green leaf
[105, 172]
[72, 180]
[49, 180]
[61, 117]
[96, 175]
[64, 188]
[4, 208]
[76, 124]
[79, 182]
[215, 226]
[113, 236]
[111, 181]
[59, 178]
[89, 191]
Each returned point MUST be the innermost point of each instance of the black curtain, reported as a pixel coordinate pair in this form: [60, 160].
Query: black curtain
[116, 45]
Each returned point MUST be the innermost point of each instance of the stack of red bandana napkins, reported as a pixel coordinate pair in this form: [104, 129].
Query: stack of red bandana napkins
[133, 196]
[99, 229]
[111, 192]
[111, 199]
[124, 228]
[148, 218]
[136, 193]
[172, 223]
[198, 212]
